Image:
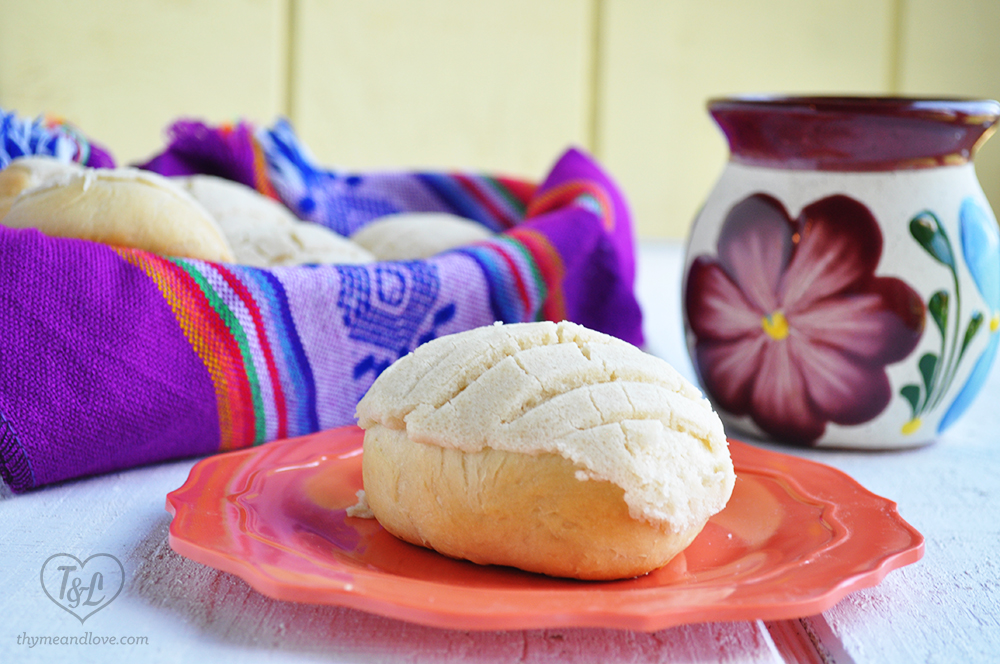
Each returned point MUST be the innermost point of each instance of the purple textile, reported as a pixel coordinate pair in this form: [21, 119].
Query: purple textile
[599, 280]
[197, 148]
[112, 358]
[78, 359]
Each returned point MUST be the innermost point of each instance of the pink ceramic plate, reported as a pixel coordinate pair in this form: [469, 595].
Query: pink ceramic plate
[796, 537]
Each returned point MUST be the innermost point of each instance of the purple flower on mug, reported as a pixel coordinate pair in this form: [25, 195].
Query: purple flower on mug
[791, 325]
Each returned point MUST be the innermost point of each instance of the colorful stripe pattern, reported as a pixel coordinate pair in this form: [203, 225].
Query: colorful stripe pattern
[237, 321]
[584, 193]
[550, 270]
[226, 356]
[345, 202]
[480, 198]
[524, 276]
[262, 182]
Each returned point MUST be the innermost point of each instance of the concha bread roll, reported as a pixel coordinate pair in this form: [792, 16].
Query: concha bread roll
[264, 233]
[417, 235]
[125, 207]
[543, 446]
[26, 173]
[317, 244]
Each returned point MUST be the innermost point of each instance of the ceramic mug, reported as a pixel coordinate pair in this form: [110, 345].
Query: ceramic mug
[842, 281]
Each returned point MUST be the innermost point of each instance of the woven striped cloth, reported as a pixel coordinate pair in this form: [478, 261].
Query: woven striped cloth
[112, 357]
[48, 136]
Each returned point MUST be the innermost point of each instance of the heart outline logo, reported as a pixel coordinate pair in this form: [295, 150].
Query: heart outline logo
[60, 572]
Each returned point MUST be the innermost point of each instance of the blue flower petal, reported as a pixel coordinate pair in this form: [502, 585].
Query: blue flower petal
[973, 385]
[981, 247]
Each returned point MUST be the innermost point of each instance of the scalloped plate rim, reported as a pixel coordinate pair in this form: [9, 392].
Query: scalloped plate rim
[635, 617]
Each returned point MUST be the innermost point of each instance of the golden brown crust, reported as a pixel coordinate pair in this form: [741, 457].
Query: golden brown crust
[26, 173]
[507, 508]
[122, 207]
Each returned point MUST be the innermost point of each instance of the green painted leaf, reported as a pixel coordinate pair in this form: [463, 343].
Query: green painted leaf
[938, 307]
[926, 230]
[912, 394]
[927, 365]
[974, 324]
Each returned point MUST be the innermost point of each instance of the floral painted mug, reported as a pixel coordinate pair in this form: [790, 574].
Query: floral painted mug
[842, 281]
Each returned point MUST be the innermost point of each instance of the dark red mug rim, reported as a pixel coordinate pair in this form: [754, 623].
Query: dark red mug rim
[854, 133]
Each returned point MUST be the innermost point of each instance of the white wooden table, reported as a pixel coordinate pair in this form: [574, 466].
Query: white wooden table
[945, 608]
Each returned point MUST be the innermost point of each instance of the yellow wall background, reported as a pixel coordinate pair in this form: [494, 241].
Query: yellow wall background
[498, 86]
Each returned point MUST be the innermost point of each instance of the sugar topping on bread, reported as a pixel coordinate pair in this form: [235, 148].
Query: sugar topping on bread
[617, 413]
